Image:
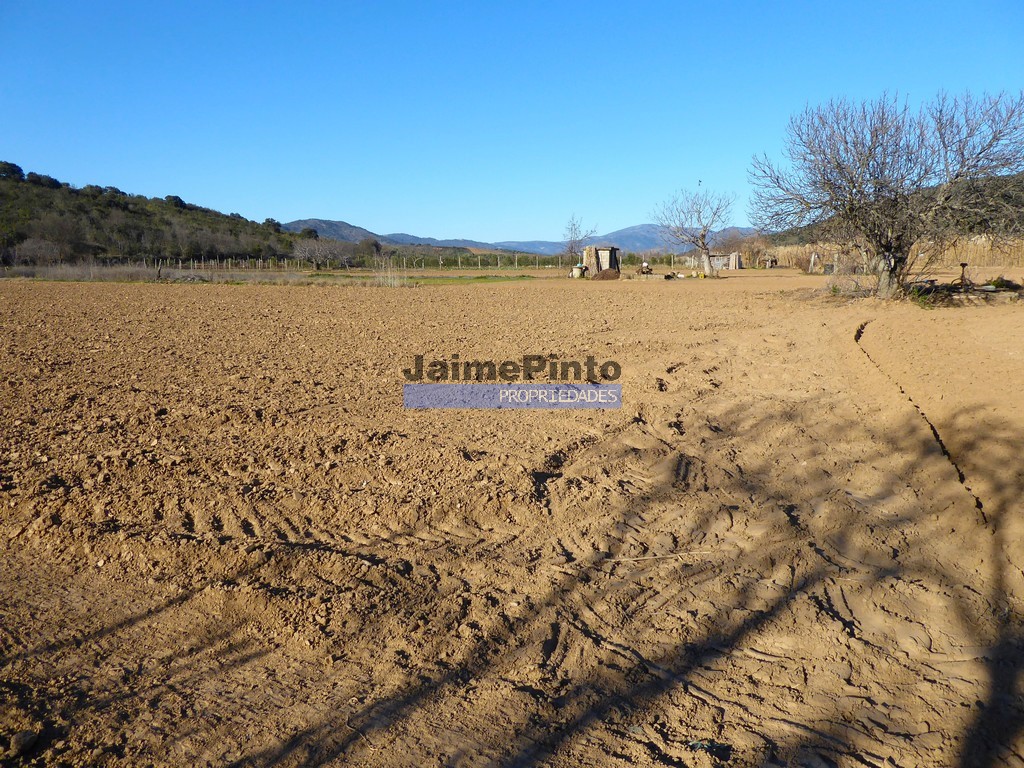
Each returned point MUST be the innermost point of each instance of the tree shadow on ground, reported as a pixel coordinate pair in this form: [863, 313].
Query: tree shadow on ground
[612, 704]
[640, 638]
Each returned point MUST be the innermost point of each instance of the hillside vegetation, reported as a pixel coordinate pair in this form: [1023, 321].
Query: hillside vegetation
[45, 221]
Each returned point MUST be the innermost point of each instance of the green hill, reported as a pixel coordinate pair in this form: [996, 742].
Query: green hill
[43, 220]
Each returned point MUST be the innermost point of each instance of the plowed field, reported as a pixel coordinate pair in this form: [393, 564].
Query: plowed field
[224, 541]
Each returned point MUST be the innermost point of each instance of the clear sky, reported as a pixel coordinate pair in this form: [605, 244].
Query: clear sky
[485, 120]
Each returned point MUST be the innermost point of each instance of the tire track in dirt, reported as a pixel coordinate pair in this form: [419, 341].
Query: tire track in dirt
[934, 430]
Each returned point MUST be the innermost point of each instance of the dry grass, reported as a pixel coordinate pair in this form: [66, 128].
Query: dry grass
[979, 252]
[982, 252]
[92, 273]
[84, 273]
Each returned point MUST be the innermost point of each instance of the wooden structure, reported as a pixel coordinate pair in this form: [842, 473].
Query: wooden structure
[729, 261]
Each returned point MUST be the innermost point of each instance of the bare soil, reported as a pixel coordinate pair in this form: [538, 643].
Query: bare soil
[223, 541]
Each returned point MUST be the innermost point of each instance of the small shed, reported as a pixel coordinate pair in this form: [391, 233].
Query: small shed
[597, 258]
[726, 261]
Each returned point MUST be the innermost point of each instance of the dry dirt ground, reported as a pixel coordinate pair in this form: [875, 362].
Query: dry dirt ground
[223, 541]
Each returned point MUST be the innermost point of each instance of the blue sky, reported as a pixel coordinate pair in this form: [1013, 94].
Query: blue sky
[484, 120]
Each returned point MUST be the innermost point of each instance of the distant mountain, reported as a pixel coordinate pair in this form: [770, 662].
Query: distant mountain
[543, 247]
[643, 237]
[336, 230]
[640, 238]
[400, 238]
[349, 233]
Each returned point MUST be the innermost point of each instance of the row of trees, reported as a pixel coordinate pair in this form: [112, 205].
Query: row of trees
[370, 253]
[898, 184]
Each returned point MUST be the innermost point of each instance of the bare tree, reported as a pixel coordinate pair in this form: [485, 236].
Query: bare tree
[575, 240]
[35, 250]
[312, 250]
[320, 251]
[691, 218]
[899, 184]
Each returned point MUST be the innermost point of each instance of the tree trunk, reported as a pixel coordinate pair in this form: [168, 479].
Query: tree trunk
[890, 275]
[887, 284]
[705, 257]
